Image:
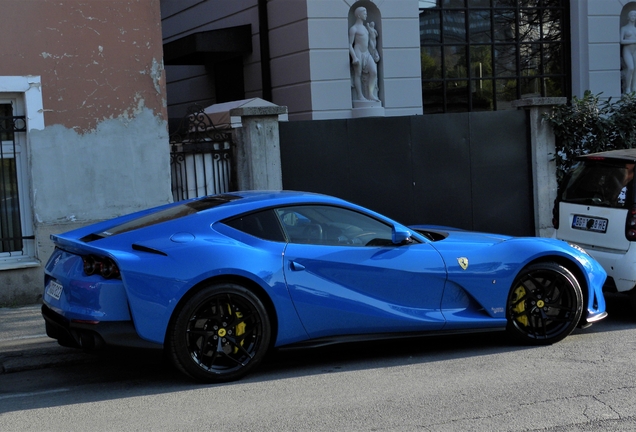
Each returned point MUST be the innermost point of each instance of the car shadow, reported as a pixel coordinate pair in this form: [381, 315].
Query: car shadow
[620, 315]
[382, 353]
[619, 308]
[144, 372]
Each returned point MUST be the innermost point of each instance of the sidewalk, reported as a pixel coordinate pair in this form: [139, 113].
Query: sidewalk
[24, 344]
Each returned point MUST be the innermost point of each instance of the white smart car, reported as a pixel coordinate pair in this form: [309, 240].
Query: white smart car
[596, 209]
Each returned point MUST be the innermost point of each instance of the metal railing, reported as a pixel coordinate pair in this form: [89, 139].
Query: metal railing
[201, 159]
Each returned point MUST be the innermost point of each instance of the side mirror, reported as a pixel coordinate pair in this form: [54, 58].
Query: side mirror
[400, 236]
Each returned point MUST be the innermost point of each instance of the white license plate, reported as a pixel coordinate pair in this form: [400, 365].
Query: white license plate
[55, 289]
[589, 224]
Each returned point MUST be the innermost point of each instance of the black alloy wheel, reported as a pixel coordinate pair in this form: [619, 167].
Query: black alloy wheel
[544, 305]
[220, 334]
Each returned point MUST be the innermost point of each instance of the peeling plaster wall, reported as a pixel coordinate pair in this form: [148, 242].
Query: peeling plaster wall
[96, 58]
[110, 171]
[104, 149]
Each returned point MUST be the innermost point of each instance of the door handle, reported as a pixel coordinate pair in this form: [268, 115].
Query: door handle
[293, 265]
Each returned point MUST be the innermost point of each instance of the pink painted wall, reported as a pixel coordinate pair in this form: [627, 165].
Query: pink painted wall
[98, 59]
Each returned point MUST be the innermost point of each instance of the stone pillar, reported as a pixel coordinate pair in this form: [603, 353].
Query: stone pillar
[543, 152]
[257, 153]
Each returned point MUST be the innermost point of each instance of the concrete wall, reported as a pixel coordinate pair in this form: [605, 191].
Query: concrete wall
[310, 57]
[195, 84]
[309, 54]
[292, 56]
[326, 82]
[102, 149]
[596, 52]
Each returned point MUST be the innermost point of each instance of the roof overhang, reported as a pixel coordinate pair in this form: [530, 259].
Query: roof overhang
[209, 47]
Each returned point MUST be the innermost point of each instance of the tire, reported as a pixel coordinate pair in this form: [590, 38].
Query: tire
[545, 304]
[220, 334]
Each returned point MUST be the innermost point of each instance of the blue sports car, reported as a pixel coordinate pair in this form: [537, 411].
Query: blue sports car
[219, 280]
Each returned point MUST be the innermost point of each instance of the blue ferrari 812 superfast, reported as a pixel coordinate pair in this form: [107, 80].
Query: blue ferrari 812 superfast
[217, 281]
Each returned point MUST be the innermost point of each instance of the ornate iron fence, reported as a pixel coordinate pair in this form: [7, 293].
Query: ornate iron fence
[201, 160]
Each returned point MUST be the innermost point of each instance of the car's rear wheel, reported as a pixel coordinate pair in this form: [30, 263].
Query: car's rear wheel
[220, 334]
[544, 305]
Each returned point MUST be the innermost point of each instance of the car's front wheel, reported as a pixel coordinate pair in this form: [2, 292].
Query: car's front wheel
[545, 304]
[220, 334]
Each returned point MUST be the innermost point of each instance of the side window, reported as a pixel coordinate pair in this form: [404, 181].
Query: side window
[263, 225]
[327, 225]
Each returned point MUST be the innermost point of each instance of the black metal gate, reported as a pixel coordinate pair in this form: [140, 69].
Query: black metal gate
[468, 170]
[201, 157]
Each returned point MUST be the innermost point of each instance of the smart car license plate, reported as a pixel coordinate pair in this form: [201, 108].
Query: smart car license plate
[55, 289]
[589, 224]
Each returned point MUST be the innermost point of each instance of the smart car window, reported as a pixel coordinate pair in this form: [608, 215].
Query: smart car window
[262, 224]
[327, 225]
[600, 182]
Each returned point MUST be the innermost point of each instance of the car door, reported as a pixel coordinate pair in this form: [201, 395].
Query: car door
[345, 275]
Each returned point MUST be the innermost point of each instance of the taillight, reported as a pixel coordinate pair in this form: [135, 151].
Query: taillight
[630, 224]
[105, 267]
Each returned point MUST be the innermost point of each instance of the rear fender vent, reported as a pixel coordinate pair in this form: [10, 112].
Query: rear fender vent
[141, 248]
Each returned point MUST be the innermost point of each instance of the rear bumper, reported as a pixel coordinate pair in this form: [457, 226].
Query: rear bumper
[89, 335]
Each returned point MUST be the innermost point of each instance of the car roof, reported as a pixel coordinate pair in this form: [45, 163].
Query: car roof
[621, 154]
[245, 201]
[279, 196]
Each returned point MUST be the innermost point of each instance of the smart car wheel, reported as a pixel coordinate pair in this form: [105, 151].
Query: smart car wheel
[220, 334]
[544, 304]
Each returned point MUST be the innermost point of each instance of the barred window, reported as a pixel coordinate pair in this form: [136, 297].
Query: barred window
[479, 55]
[15, 236]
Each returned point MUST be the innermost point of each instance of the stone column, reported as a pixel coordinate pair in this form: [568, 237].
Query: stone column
[257, 152]
[543, 152]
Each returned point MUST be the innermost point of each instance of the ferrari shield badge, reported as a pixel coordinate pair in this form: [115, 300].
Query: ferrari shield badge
[463, 262]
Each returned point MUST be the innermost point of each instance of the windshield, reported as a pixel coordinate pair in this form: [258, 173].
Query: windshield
[600, 182]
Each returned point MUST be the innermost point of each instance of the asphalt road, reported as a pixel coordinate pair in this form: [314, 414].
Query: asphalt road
[460, 383]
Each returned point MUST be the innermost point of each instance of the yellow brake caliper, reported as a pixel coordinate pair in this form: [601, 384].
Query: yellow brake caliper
[522, 319]
[239, 329]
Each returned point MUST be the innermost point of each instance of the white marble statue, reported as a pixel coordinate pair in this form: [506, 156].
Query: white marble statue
[364, 56]
[628, 42]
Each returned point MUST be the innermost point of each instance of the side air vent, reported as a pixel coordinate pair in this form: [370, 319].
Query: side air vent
[147, 249]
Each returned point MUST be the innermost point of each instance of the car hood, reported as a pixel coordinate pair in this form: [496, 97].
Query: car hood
[452, 236]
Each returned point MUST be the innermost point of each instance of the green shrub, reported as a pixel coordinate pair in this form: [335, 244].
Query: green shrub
[590, 125]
